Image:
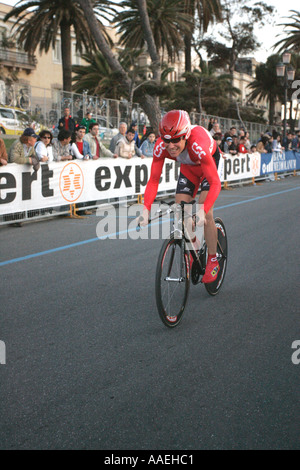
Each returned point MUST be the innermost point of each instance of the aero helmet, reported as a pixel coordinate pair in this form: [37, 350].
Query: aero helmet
[174, 124]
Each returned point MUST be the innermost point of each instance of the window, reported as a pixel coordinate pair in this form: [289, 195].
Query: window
[75, 55]
[57, 52]
[5, 113]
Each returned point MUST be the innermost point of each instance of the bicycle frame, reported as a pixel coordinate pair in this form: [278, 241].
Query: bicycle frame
[184, 217]
[175, 269]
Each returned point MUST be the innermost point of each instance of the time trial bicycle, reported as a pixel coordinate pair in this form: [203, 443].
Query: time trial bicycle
[175, 271]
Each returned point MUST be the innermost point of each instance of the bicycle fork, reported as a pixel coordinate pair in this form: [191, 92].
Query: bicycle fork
[182, 263]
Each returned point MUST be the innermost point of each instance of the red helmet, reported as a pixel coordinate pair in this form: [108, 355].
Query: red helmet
[175, 123]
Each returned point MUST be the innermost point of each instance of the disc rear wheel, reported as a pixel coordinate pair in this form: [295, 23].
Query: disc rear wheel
[222, 253]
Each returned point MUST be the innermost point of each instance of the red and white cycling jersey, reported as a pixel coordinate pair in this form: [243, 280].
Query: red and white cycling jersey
[196, 161]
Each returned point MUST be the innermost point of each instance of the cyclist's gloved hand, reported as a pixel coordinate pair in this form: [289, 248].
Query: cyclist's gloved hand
[143, 220]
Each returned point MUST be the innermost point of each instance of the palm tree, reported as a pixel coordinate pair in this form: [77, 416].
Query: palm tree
[149, 103]
[292, 41]
[167, 21]
[39, 23]
[96, 77]
[207, 11]
[265, 85]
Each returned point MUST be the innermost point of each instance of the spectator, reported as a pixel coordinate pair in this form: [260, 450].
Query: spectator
[97, 148]
[134, 126]
[116, 138]
[218, 138]
[229, 146]
[241, 146]
[247, 141]
[80, 148]
[242, 133]
[147, 146]
[22, 150]
[3, 153]
[61, 146]
[253, 149]
[295, 141]
[276, 144]
[210, 124]
[66, 122]
[87, 121]
[298, 136]
[287, 142]
[262, 144]
[268, 145]
[235, 145]
[43, 147]
[127, 148]
[229, 133]
[215, 128]
[232, 131]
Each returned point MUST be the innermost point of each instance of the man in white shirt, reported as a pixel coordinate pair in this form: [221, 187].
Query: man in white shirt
[116, 138]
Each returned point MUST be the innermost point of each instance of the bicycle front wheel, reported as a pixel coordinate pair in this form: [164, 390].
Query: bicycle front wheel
[172, 281]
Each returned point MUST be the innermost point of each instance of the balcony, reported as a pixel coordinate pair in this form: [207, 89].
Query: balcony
[17, 60]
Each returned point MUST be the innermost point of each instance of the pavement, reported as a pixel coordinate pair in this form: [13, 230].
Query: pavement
[89, 365]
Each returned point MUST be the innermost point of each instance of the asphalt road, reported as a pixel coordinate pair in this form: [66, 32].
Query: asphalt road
[89, 365]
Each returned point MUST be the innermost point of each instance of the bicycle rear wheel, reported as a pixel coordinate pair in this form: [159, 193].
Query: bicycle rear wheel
[172, 282]
[222, 252]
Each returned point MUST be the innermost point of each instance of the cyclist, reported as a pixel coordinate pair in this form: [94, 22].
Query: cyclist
[199, 155]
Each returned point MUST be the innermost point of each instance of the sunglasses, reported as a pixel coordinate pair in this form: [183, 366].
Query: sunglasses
[46, 137]
[172, 141]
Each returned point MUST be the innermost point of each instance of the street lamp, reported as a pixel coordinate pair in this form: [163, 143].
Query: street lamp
[286, 73]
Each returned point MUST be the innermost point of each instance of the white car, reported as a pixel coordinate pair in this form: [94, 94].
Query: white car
[13, 121]
[106, 133]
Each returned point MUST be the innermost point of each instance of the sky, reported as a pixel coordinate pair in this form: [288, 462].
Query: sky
[265, 35]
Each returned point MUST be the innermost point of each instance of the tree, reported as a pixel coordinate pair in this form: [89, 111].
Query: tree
[237, 31]
[265, 85]
[39, 23]
[168, 22]
[150, 104]
[198, 92]
[292, 39]
[96, 77]
[207, 12]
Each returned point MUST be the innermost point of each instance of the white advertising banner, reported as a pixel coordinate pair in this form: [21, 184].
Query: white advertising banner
[59, 184]
[238, 167]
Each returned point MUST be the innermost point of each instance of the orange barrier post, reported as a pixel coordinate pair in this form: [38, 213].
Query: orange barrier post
[73, 213]
[226, 186]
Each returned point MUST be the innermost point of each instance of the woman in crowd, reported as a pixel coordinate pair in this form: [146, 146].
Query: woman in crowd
[148, 145]
[276, 144]
[43, 147]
